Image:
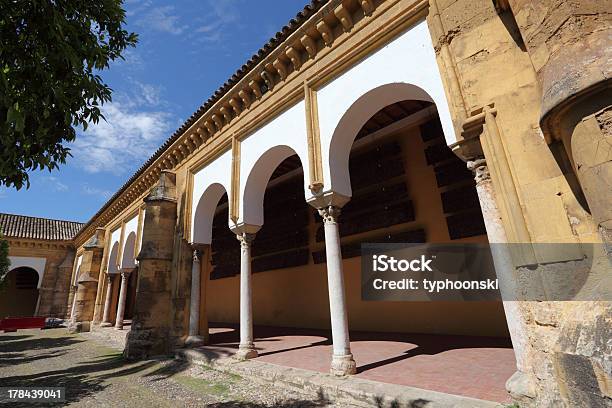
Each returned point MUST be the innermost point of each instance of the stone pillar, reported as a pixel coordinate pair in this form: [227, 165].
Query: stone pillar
[521, 386]
[87, 283]
[125, 274]
[342, 359]
[62, 286]
[569, 46]
[246, 349]
[194, 337]
[568, 42]
[150, 332]
[107, 301]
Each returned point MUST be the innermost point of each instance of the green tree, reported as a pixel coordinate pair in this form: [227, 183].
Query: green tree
[5, 263]
[51, 54]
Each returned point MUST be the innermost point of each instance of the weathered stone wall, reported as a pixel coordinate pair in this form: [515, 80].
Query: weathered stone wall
[151, 324]
[87, 283]
[484, 61]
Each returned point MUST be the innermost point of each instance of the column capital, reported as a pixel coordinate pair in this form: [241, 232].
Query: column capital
[198, 251]
[330, 214]
[479, 168]
[246, 239]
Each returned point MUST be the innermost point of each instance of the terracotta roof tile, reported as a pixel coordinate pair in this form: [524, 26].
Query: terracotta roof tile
[21, 226]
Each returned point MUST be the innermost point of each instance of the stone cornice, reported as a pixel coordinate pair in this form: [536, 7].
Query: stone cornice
[317, 34]
[40, 244]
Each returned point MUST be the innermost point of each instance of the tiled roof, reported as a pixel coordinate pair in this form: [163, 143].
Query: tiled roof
[294, 24]
[21, 226]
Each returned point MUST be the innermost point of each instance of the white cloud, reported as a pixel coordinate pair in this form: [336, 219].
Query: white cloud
[150, 93]
[105, 194]
[222, 14]
[132, 60]
[55, 184]
[162, 19]
[134, 128]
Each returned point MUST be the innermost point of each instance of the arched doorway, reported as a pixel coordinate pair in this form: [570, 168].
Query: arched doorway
[407, 186]
[19, 293]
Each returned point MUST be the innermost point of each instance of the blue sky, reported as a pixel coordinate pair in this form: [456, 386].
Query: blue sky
[186, 50]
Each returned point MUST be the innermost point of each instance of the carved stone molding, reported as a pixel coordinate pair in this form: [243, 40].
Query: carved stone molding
[480, 170]
[330, 214]
[246, 239]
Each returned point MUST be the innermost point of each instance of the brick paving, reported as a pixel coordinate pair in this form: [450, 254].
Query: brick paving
[475, 367]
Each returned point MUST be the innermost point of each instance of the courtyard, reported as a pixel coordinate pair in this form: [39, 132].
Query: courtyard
[96, 375]
[92, 369]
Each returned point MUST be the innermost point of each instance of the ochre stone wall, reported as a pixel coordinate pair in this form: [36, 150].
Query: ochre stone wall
[493, 65]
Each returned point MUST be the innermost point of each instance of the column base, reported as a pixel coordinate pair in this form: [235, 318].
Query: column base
[106, 324]
[195, 341]
[79, 327]
[521, 388]
[343, 365]
[118, 327]
[246, 352]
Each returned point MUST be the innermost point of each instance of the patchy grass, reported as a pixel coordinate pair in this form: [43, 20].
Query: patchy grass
[204, 386]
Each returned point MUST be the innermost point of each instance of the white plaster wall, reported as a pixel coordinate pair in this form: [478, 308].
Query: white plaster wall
[260, 154]
[115, 237]
[131, 226]
[409, 59]
[144, 213]
[38, 264]
[211, 179]
[406, 68]
[76, 271]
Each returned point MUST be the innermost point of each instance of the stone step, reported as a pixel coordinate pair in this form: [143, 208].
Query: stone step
[344, 391]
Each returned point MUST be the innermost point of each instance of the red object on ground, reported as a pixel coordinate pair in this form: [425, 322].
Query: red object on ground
[11, 324]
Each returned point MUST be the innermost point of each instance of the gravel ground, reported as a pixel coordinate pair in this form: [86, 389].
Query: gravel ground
[96, 375]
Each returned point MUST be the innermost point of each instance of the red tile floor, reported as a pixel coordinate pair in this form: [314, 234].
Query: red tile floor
[476, 367]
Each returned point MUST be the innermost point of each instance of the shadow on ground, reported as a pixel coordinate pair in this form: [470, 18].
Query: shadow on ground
[84, 378]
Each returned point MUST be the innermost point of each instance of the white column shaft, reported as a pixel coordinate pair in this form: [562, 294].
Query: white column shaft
[107, 301]
[246, 349]
[335, 284]
[122, 296]
[194, 307]
[246, 301]
[502, 260]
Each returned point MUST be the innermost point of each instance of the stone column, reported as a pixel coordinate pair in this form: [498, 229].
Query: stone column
[151, 323]
[246, 349]
[521, 386]
[342, 359]
[87, 283]
[194, 337]
[125, 274]
[107, 301]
